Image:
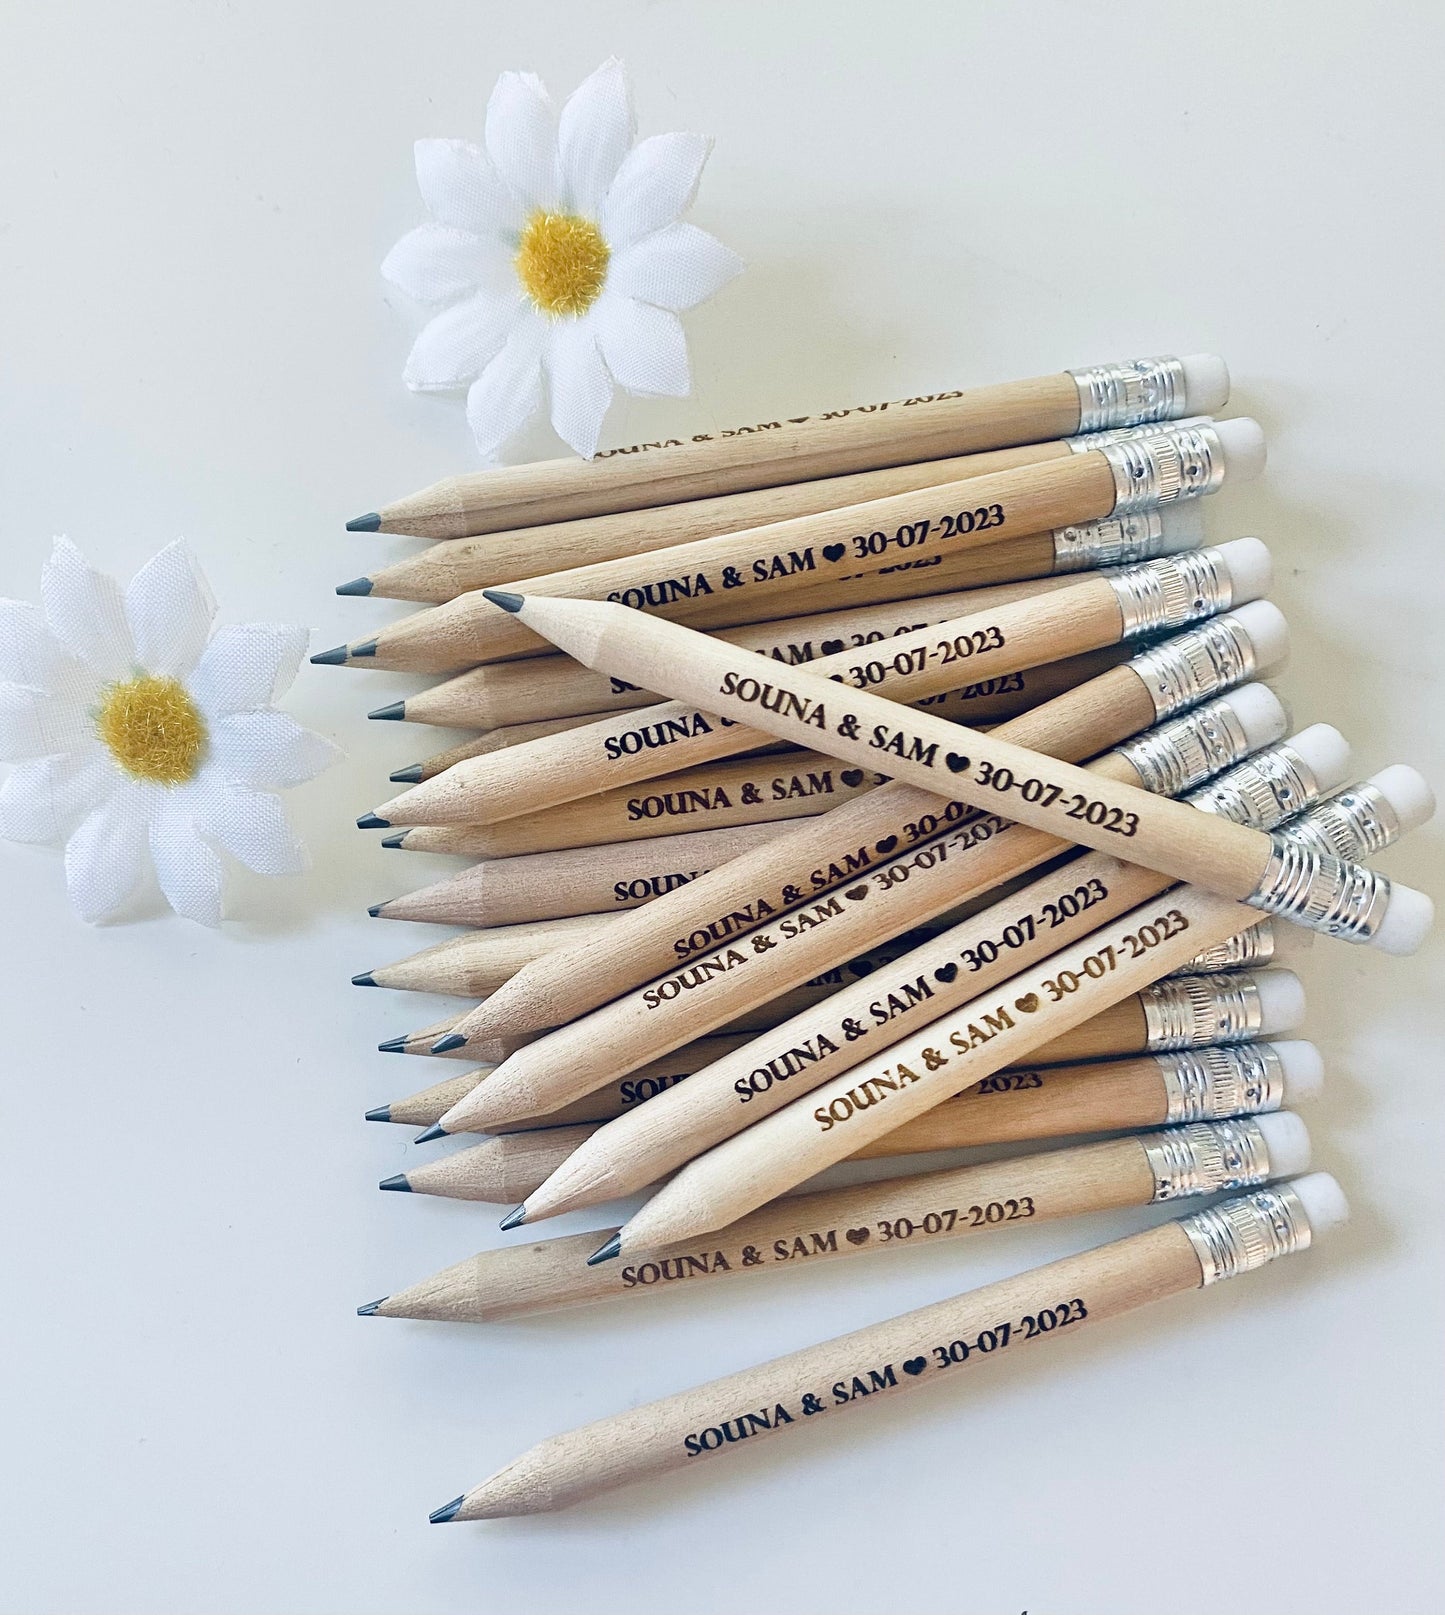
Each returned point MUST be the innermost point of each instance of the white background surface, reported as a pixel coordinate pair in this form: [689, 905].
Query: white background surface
[196, 197]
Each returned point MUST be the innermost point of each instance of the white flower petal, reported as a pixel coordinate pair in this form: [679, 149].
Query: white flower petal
[28, 654]
[34, 723]
[267, 749]
[246, 665]
[461, 188]
[252, 827]
[435, 262]
[581, 388]
[644, 347]
[105, 858]
[522, 139]
[509, 390]
[170, 608]
[188, 869]
[454, 348]
[675, 267]
[594, 134]
[657, 181]
[45, 799]
[86, 612]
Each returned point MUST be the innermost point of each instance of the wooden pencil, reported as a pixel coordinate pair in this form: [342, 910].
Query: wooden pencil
[805, 447]
[1097, 610]
[930, 1346]
[756, 574]
[828, 850]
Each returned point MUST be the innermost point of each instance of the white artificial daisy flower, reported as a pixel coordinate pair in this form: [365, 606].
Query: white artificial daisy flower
[558, 251]
[139, 736]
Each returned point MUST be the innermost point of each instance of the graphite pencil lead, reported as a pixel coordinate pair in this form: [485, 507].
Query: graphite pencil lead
[356, 586]
[394, 1045]
[368, 1309]
[335, 657]
[394, 713]
[398, 840]
[369, 523]
[369, 821]
[365, 979]
[447, 1512]
[508, 602]
[607, 1252]
[375, 909]
[363, 647]
[410, 775]
[429, 1134]
[445, 1045]
[382, 1113]
[397, 1183]
[514, 1218]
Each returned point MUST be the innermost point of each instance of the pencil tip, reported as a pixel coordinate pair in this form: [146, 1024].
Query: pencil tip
[335, 657]
[434, 1131]
[382, 1113]
[398, 840]
[362, 648]
[365, 979]
[410, 775]
[369, 1309]
[394, 713]
[398, 1183]
[356, 586]
[445, 1045]
[514, 1218]
[369, 821]
[507, 601]
[394, 1045]
[369, 523]
[447, 1512]
[605, 1253]
[375, 910]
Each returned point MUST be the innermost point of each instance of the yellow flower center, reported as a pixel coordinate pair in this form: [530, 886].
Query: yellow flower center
[562, 262]
[153, 728]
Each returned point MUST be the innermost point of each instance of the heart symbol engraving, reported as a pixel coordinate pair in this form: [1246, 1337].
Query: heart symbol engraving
[857, 1236]
[946, 973]
[956, 764]
[831, 647]
[851, 776]
[834, 552]
[1027, 1004]
[915, 1365]
[856, 894]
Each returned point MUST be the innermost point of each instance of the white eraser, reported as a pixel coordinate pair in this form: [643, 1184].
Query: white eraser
[1325, 752]
[1242, 441]
[1290, 941]
[1407, 791]
[1281, 1001]
[1268, 632]
[1182, 526]
[1206, 383]
[1303, 1069]
[1407, 922]
[1324, 1201]
[1288, 1141]
[1260, 712]
[1247, 560]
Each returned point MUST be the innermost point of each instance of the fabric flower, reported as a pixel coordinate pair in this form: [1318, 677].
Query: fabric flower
[137, 734]
[559, 252]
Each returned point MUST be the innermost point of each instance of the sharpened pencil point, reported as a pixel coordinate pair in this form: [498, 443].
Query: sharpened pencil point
[368, 1310]
[514, 1218]
[410, 775]
[375, 910]
[361, 649]
[428, 1134]
[394, 1045]
[447, 1512]
[369, 821]
[398, 840]
[607, 1252]
[356, 586]
[445, 1045]
[369, 523]
[397, 1183]
[365, 979]
[335, 657]
[394, 713]
[500, 597]
[382, 1113]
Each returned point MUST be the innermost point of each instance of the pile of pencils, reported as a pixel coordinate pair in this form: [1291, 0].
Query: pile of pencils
[905, 781]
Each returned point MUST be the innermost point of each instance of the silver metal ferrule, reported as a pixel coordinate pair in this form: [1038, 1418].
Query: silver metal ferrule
[1320, 892]
[1205, 1084]
[1354, 824]
[1206, 1157]
[1085, 441]
[1176, 462]
[1264, 790]
[1180, 754]
[1239, 1235]
[1256, 946]
[1189, 1012]
[1172, 592]
[1130, 393]
[1188, 668]
[1115, 541]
